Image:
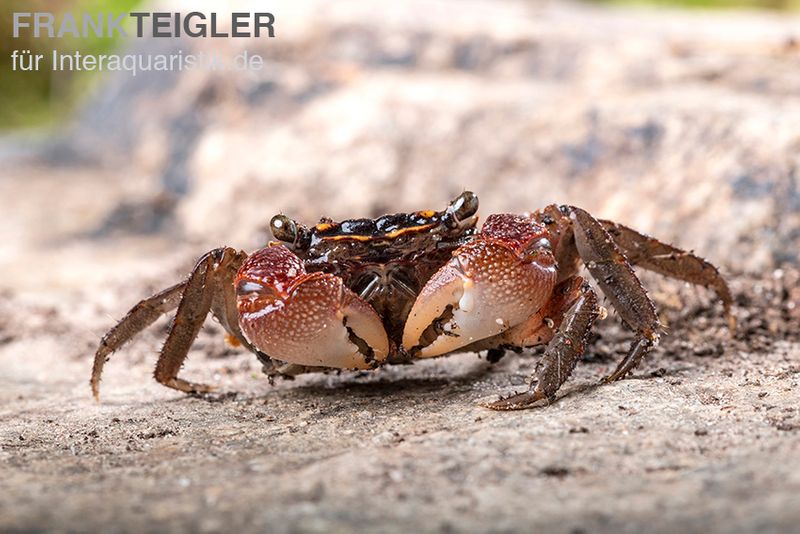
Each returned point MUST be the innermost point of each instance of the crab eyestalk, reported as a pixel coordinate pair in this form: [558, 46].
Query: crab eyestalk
[306, 318]
[462, 211]
[492, 284]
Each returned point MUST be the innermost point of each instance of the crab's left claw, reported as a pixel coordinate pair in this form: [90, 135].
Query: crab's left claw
[488, 287]
[309, 319]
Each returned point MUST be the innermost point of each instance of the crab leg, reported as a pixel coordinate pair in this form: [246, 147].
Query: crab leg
[137, 319]
[653, 255]
[560, 357]
[209, 287]
[212, 276]
[619, 283]
[188, 321]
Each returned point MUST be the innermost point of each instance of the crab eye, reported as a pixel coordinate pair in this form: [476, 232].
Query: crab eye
[283, 229]
[246, 287]
[463, 207]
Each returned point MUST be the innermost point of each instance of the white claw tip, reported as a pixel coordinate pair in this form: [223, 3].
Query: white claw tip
[467, 302]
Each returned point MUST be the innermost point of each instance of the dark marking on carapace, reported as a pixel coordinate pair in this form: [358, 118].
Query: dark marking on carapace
[385, 227]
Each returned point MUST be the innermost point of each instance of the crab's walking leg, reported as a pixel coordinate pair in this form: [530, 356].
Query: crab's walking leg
[653, 255]
[209, 287]
[615, 276]
[192, 311]
[210, 281]
[560, 357]
[137, 319]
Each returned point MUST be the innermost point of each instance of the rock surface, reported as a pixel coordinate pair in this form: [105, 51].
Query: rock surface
[683, 125]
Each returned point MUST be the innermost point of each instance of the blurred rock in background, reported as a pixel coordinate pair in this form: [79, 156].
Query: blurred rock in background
[683, 125]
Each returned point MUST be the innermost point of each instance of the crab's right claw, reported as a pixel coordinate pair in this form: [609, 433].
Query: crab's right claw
[485, 289]
[306, 319]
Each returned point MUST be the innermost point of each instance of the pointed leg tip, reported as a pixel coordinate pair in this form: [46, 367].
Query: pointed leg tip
[616, 376]
[732, 325]
[518, 401]
[95, 390]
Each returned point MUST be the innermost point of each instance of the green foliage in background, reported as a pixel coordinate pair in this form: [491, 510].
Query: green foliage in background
[31, 98]
[781, 5]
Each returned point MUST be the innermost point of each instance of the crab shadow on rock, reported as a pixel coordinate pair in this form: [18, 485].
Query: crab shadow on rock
[395, 390]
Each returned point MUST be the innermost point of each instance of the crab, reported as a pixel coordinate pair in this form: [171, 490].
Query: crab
[364, 293]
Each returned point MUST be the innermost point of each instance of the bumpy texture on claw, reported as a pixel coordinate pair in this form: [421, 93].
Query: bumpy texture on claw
[492, 284]
[542, 326]
[306, 319]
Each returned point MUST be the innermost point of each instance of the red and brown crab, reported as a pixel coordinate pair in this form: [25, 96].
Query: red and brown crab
[364, 293]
